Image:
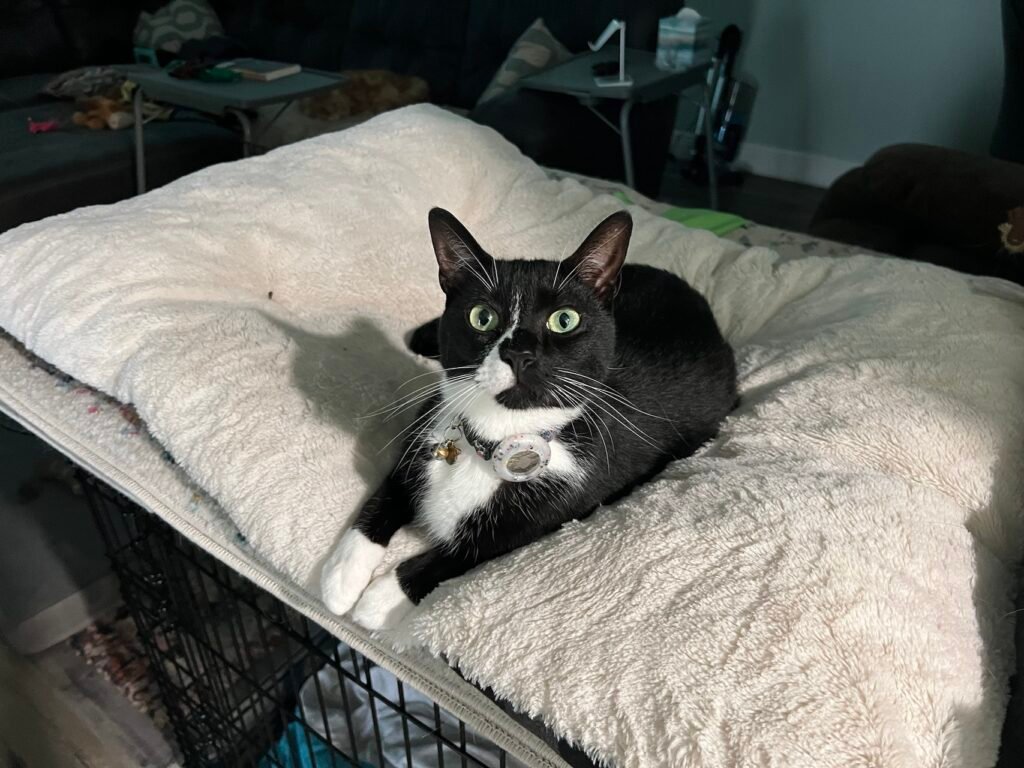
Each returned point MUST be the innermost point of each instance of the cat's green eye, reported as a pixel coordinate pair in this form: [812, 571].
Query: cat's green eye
[482, 318]
[564, 320]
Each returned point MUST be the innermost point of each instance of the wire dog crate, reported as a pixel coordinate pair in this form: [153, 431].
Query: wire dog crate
[246, 681]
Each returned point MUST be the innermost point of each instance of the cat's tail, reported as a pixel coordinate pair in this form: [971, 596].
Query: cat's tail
[424, 340]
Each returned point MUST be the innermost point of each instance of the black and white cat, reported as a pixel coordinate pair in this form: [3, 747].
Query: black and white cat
[566, 384]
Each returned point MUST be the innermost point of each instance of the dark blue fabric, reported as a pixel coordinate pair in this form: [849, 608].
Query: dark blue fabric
[411, 37]
[49, 173]
[30, 40]
[310, 32]
[24, 91]
[98, 32]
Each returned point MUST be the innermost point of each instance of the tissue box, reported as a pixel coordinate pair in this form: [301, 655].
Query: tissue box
[683, 41]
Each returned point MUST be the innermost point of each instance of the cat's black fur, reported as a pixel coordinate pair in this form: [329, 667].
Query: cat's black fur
[645, 334]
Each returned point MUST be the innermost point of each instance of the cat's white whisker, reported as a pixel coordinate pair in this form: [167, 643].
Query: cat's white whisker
[421, 388]
[571, 275]
[445, 413]
[405, 402]
[600, 427]
[418, 439]
[613, 394]
[410, 405]
[558, 393]
[595, 399]
[409, 396]
[427, 391]
[597, 424]
[477, 274]
[616, 414]
[423, 416]
[436, 372]
[593, 421]
[558, 265]
[604, 388]
[481, 273]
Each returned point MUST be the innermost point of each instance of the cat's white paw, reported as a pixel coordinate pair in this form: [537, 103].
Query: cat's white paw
[347, 571]
[383, 604]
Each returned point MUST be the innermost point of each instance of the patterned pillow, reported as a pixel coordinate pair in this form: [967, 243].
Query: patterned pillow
[85, 81]
[178, 21]
[536, 49]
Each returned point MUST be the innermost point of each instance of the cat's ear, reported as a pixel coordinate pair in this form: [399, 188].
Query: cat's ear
[457, 252]
[599, 259]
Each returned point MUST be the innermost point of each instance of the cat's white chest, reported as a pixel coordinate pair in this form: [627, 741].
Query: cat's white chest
[454, 492]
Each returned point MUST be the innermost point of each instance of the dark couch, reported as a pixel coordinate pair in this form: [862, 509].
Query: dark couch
[929, 204]
[455, 45]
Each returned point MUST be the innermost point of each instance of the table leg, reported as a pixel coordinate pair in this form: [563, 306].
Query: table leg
[627, 145]
[140, 148]
[709, 145]
[246, 123]
[265, 128]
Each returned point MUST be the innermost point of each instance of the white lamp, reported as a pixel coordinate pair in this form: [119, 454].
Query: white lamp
[613, 81]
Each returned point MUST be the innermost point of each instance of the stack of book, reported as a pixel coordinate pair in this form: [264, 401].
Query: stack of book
[260, 69]
[683, 40]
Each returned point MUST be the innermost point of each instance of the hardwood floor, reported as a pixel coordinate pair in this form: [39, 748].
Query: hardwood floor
[776, 203]
[56, 711]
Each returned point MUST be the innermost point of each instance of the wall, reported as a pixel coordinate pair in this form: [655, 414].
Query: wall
[839, 80]
[54, 574]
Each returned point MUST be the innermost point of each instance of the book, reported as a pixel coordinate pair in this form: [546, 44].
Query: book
[259, 69]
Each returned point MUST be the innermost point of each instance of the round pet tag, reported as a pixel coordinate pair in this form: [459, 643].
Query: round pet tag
[521, 457]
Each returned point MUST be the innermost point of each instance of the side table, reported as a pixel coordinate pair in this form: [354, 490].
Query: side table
[238, 99]
[575, 78]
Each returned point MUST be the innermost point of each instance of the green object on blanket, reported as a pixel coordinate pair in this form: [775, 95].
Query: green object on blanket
[697, 218]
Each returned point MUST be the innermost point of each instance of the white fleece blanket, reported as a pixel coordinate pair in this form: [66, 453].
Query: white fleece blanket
[827, 584]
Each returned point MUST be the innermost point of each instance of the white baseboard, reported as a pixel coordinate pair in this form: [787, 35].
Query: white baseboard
[65, 617]
[816, 170]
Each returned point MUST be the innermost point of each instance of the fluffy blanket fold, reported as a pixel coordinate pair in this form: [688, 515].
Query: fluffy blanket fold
[827, 584]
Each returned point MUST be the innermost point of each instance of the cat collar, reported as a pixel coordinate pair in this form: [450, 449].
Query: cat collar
[515, 459]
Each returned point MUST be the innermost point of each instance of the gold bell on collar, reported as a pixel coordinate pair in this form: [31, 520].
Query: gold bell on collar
[447, 451]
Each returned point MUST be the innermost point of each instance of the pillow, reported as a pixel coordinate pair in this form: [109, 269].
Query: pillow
[84, 82]
[535, 50]
[178, 21]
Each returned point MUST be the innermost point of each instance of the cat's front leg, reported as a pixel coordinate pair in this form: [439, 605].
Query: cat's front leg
[390, 597]
[348, 569]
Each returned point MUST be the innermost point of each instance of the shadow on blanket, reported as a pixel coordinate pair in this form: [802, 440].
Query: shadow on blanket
[347, 377]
